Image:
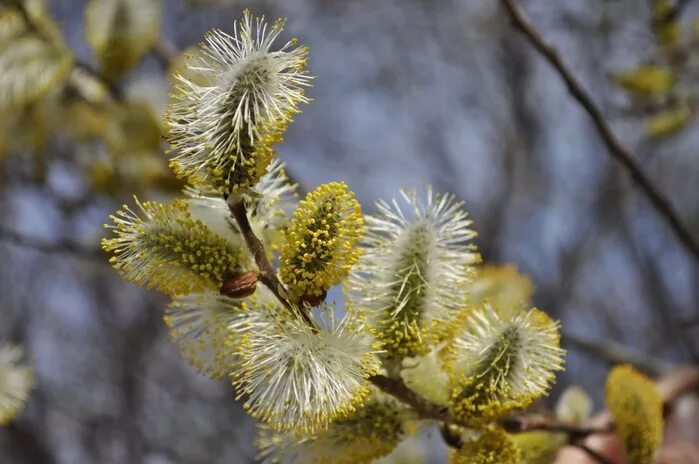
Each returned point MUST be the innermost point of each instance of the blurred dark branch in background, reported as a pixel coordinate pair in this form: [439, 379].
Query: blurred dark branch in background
[615, 147]
[593, 454]
[63, 246]
[616, 353]
[166, 53]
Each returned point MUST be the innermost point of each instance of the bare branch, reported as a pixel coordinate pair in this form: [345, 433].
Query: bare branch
[73, 248]
[166, 52]
[593, 454]
[617, 353]
[616, 149]
[400, 390]
[267, 275]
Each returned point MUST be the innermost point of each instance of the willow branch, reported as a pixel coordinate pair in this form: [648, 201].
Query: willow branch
[114, 92]
[267, 274]
[18, 239]
[680, 381]
[520, 424]
[593, 454]
[617, 353]
[614, 146]
[544, 423]
[166, 52]
[671, 386]
[398, 389]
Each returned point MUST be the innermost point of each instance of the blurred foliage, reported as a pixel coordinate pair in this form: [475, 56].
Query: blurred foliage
[663, 87]
[49, 99]
[121, 32]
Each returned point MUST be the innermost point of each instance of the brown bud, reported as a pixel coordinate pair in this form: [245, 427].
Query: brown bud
[313, 300]
[240, 285]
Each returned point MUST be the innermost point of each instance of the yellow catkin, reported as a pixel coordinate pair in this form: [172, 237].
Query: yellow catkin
[223, 124]
[16, 381]
[166, 249]
[370, 433]
[637, 408]
[320, 244]
[538, 447]
[491, 447]
[239, 169]
[646, 80]
[503, 287]
[496, 365]
[300, 380]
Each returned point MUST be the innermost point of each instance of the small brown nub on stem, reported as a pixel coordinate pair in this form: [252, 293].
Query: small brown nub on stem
[240, 285]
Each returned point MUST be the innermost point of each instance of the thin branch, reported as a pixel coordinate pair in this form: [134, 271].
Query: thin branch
[114, 92]
[518, 424]
[18, 239]
[593, 454]
[532, 422]
[617, 353]
[400, 390]
[680, 382]
[614, 146]
[267, 274]
[166, 53]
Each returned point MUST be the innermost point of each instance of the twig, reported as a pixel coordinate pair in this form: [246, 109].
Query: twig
[519, 424]
[165, 52]
[619, 354]
[114, 92]
[22, 240]
[593, 454]
[400, 390]
[680, 382]
[267, 274]
[614, 146]
[533, 422]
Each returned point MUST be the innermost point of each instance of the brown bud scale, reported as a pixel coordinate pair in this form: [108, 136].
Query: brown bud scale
[240, 285]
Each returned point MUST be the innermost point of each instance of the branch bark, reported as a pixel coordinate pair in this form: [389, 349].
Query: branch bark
[18, 239]
[679, 382]
[614, 146]
[267, 274]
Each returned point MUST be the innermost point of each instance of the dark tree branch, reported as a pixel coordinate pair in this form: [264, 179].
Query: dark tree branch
[533, 422]
[18, 239]
[267, 274]
[616, 149]
[593, 454]
[400, 390]
[617, 353]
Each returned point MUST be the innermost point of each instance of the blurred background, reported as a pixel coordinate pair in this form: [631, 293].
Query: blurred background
[408, 93]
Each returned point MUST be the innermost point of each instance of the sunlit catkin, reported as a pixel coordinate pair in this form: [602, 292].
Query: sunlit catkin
[222, 133]
[16, 381]
[163, 247]
[411, 280]
[491, 447]
[320, 245]
[369, 433]
[496, 364]
[637, 409]
[299, 378]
